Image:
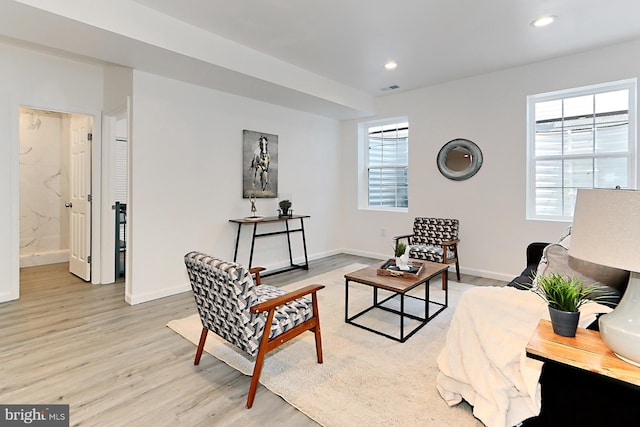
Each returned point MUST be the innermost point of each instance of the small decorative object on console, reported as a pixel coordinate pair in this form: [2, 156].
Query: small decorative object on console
[285, 206]
[253, 217]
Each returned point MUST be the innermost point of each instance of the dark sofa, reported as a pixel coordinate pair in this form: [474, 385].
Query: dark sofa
[534, 255]
[612, 281]
[568, 393]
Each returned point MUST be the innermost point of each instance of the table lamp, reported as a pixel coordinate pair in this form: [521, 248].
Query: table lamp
[606, 231]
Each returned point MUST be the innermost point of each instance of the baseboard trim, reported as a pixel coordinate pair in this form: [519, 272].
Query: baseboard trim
[184, 287]
[463, 270]
[160, 293]
[8, 296]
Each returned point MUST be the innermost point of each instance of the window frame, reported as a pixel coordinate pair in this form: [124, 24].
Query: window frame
[630, 153]
[363, 131]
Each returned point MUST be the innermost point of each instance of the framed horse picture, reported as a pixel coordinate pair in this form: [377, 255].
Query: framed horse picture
[259, 164]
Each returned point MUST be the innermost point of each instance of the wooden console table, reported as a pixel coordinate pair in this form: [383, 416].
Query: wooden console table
[583, 381]
[287, 231]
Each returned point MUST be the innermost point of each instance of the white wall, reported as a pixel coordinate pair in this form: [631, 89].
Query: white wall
[489, 110]
[186, 177]
[186, 164]
[33, 79]
[118, 85]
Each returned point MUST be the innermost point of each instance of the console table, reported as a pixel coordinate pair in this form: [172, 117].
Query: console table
[583, 381]
[287, 231]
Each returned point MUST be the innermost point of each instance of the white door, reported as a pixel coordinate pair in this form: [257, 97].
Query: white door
[80, 203]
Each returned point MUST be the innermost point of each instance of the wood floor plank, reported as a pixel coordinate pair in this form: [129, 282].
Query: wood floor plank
[67, 341]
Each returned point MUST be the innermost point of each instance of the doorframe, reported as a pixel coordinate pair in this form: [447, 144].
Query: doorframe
[109, 121]
[96, 180]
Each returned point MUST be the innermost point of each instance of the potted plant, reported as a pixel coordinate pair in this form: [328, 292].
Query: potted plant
[402, 257]
[285, 205]
[564, 296]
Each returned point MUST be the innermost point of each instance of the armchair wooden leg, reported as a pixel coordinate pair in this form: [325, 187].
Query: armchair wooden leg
[203, 338]
[458, 269]
[316, 330]
[257, 368]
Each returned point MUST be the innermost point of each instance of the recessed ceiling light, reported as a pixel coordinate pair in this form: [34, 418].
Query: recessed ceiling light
[543, 21]
[391, 65]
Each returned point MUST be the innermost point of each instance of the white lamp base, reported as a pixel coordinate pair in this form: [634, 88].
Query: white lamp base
[627, 360]
[620, 329]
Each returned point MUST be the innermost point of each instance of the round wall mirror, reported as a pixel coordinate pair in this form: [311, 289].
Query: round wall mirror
[459, 159]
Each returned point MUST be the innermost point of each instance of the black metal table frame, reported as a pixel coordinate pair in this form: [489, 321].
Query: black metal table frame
[379, 304]
[287, 231]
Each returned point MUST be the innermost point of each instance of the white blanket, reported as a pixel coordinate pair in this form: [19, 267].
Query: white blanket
[484, 359]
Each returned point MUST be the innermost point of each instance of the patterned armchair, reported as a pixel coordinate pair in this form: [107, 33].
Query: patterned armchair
[435, 240]
[237, 309]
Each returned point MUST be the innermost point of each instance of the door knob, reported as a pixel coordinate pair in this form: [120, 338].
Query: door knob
[68, 205]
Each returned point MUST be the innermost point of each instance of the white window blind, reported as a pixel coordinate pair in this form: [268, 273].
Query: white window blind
[388, 165]
[581, 138]
[121, 169]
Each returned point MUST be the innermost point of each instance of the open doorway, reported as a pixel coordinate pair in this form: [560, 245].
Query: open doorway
[120, 154]
[115, 175]
[55, 189]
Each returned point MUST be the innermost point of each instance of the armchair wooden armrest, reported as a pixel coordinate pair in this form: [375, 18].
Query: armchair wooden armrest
[283, 299]
[404, 236]
[256, 271]
[267, 344]
[451, 245]
[450, 242]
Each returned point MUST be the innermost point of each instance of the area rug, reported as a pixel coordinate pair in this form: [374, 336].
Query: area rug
[366, 379]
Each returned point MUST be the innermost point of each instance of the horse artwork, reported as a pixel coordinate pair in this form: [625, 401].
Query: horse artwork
[260, 163]
[260, 159]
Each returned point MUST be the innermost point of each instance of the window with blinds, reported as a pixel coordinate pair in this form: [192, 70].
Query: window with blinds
[388, 165]
[582, 138]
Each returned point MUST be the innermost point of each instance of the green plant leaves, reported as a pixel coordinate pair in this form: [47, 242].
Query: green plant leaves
[400, 248]
[567, 293]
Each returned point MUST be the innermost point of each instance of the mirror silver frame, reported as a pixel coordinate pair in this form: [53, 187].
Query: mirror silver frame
[474, 165]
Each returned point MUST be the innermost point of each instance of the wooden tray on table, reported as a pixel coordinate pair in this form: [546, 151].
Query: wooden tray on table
[389, 269]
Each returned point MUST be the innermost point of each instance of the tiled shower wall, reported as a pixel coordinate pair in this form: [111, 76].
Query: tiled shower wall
[44, 187]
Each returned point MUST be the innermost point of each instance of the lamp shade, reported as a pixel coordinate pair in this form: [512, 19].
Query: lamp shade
[606, 230]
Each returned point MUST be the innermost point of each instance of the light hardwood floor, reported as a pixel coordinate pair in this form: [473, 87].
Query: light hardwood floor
[67, 341]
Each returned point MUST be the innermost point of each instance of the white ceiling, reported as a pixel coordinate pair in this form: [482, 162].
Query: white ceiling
[431, 40]
[325, 56]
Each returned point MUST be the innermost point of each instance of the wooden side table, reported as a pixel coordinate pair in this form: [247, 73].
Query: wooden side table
[583, 381]
[585, 351]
